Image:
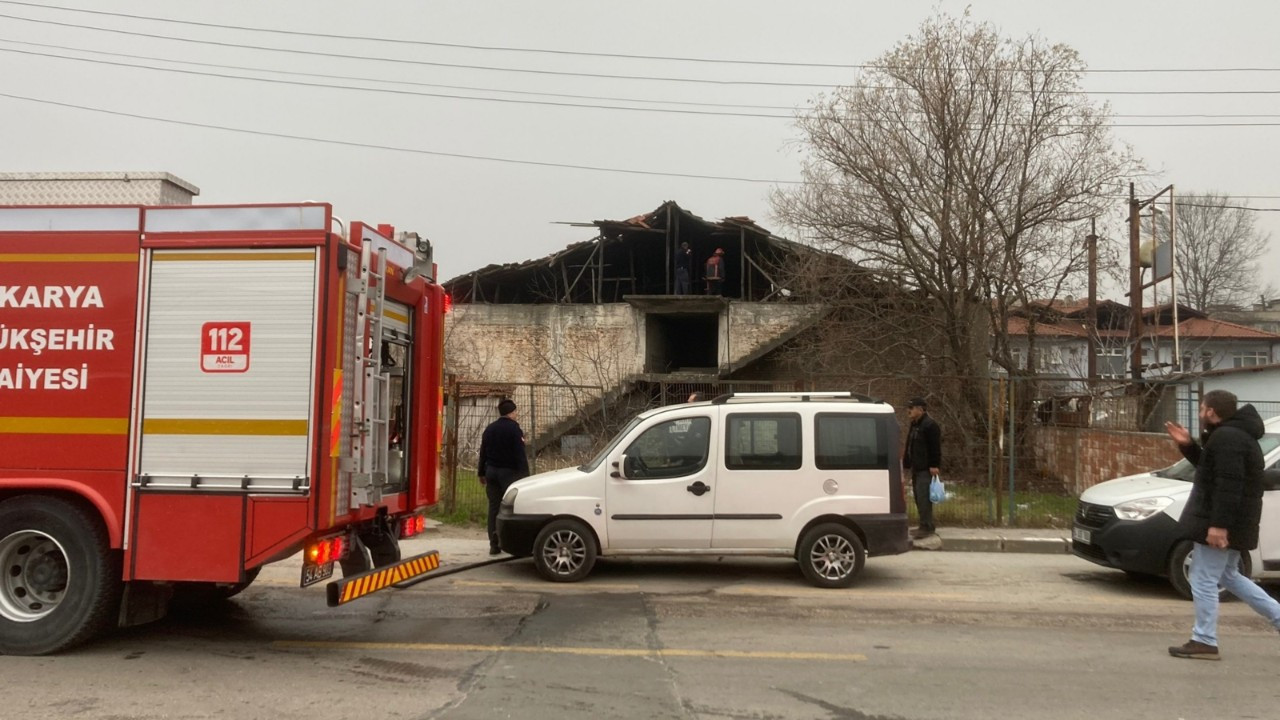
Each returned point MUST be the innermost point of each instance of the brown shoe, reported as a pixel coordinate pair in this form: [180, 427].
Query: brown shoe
[1195, 650]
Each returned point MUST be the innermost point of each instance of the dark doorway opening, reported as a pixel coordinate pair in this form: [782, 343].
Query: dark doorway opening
[681, 342]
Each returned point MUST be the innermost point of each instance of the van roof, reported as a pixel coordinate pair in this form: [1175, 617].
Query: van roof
[864, 403]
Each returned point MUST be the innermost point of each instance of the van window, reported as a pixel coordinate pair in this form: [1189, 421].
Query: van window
[763, 441]
[850, 442]
[1185, 471]
[670, 449]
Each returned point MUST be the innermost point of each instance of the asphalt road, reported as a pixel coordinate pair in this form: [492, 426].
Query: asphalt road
[924, 635]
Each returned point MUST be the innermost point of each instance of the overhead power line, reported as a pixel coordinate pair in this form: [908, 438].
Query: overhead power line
[573, 53]
[472, 88]
[547, 103]
[461, 156]
[359, 78]
[567, 73]
[393, 148]
[1228, 207]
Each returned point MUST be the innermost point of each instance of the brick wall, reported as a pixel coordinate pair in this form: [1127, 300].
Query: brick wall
[1083, 457]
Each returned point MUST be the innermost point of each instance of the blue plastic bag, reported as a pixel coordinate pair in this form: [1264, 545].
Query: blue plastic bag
[937, 491]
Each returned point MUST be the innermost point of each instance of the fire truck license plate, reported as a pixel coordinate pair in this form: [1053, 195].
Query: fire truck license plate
[312, 574]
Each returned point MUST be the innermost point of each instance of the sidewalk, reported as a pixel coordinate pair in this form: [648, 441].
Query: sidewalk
[1015, 540]
[470, 542]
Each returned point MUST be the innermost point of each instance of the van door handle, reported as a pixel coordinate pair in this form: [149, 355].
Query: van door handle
[699, 488]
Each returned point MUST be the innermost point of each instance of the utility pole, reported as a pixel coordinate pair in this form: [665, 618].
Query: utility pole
[1091, 244]
[1135, 287]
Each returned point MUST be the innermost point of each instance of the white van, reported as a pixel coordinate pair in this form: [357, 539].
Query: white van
[814, 476]
[1131, 523]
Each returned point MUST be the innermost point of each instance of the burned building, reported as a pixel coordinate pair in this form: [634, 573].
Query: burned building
[604, 311]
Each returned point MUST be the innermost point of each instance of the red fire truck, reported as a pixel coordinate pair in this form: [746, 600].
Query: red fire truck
[190, 392]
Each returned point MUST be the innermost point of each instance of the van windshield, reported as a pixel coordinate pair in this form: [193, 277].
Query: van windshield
[1184, 470]
[594, 462]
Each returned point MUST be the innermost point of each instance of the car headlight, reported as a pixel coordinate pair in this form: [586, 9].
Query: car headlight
[1142, 509]
[510, 498]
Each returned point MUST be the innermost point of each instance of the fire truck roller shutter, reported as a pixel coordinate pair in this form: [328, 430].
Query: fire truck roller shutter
[230, 361]
[227, 403]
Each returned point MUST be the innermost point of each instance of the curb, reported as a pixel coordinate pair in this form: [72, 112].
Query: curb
[993, 544]
[1000, 543]
[1037, 545]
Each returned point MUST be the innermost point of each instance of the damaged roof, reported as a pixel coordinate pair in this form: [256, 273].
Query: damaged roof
[633, 256]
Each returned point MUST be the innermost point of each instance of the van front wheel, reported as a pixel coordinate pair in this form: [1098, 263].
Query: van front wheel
[565, 551]
[1180, 570]
[831, 556]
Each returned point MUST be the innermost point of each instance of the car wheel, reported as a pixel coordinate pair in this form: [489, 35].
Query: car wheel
[1180, 570]
[565, 551]
[831, 555]
[59, 580]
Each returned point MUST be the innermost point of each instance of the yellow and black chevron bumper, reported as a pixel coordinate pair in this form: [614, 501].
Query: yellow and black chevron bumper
[367, 583]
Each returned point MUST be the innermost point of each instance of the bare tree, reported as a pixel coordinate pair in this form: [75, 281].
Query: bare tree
[960, 167]
[1219, 248]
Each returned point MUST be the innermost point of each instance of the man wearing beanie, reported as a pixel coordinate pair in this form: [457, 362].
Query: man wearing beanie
[502, 462]
[921, 458]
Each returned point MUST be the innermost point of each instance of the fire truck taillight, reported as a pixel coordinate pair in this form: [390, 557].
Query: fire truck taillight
[327, 550]
[412, 525]
[448, 302]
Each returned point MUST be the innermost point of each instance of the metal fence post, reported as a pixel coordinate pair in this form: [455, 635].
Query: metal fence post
[533, 427]
[451, 443]
[1013, 452]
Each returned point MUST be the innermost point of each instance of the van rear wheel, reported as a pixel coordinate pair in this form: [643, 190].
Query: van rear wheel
[565, 551]
[831, 555]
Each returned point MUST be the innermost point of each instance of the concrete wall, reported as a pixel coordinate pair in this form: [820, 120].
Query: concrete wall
[749, 330]
[593, 344]
[566, 344]
[1084, 457]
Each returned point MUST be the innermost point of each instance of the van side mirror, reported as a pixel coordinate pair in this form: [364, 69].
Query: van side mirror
[1271, 479]
[619, 468]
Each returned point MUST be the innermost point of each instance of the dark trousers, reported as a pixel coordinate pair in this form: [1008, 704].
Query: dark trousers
[920, 480]
[715, 287]
[682, 281]
[497, 480]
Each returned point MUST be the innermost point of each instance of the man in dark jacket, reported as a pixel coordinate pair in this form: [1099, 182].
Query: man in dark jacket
[1222, 514]
[684, 269]
[502, 462]
[922, 458]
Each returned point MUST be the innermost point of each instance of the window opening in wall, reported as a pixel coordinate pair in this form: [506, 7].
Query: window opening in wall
[681, 342]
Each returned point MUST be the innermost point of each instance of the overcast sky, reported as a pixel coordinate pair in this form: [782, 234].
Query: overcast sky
[482, 211]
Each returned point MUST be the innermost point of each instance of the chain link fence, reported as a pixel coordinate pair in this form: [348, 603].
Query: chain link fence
[1016, 451]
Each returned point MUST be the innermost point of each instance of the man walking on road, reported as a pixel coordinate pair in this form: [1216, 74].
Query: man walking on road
[922, 458]
[502, 462]
[1222, 515]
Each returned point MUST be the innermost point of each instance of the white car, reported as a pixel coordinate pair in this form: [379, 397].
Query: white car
[815, 476]
[1131, 523]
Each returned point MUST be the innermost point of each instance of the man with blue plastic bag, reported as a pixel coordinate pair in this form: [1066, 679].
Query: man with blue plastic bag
[922, 457]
